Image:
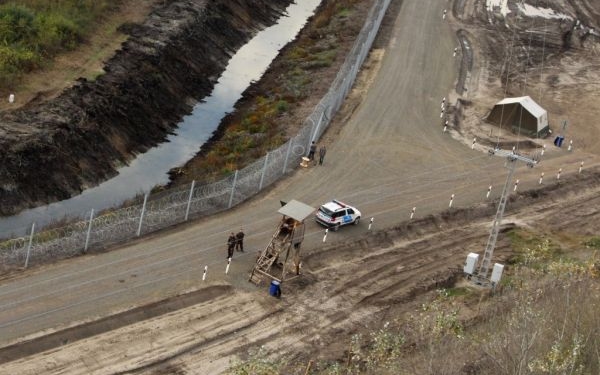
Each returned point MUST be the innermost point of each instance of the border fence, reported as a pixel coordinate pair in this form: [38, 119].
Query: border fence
[177, 205]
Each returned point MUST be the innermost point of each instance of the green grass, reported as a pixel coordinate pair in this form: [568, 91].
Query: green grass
[457, 292]
[593, 243]
[533, 250]
[32, 32]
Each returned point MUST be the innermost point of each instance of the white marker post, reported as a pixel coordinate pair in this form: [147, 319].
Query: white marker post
[371, 223]
[580, 167]
[473, 144]
[488, 192]
[558, 174]
[516, 184]
[514, 149]
[543, 149]
[325, 236]
[541, 177]
[204, 274]
[445, 128]
[455, 51]
[412, 212]
[442, 113]
[570, 148]
[451, 200]
[444, 15]
[11, 98]
[226, 268]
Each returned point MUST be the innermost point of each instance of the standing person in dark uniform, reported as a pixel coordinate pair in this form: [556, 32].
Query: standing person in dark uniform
[239, 244]
[322, 152]
[230, 245]
[312, 150]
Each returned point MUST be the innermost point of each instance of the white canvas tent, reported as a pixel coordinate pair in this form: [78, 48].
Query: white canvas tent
[522, 115]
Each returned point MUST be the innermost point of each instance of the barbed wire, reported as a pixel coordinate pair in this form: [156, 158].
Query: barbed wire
[190, 261]
[175, 206]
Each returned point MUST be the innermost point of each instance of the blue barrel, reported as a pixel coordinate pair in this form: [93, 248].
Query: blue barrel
[558, 141]
[275, 289]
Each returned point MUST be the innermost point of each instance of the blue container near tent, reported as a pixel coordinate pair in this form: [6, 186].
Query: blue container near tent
[275, 289]
[558, 141]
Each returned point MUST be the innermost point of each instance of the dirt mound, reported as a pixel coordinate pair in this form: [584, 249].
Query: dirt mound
[55, 150]
[346, 288]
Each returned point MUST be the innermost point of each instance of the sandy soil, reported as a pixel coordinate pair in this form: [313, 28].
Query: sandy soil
[346, 288]
[562, 74]
[361, 279]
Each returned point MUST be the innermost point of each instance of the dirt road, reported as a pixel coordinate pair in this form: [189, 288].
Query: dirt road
[389, 156]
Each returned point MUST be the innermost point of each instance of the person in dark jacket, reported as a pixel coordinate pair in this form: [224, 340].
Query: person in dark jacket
[312, 150]
[239, 244]
[322, 152]
[230, 245]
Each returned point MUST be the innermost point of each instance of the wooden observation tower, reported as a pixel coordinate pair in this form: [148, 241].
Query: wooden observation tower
[280, 260]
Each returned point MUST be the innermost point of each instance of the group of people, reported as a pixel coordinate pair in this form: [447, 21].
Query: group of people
[235, 242]
[313, 150]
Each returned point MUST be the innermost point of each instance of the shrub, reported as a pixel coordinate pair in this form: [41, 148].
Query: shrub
[593, 243]
[34, 31]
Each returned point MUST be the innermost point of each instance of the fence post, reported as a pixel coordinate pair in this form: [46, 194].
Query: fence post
[316, 129]
[262, 177]
[287, 155]
[29, 246]
[139, 231]
[87, 236]
[187, 210]
[233, 189]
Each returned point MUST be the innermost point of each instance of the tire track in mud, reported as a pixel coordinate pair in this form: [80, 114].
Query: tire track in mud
[345, 286]
[27, 348]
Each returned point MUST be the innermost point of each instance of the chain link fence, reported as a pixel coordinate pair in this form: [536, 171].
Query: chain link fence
[177, 205]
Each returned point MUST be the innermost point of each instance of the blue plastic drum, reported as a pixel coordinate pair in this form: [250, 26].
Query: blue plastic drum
[275, 289]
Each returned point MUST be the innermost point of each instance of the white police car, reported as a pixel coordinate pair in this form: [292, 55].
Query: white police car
[334, 214]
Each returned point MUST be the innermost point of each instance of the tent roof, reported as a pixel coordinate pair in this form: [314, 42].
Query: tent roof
[527, 103]
[296, 210]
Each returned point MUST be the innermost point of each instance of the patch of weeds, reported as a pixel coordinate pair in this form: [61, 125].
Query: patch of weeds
[532, 250]
[592, 243]
[257, 128]
[297, 53]
[321, 59]
[94, 76]
[457, 292]
[258, 363]
[344, 12]
[282, 106]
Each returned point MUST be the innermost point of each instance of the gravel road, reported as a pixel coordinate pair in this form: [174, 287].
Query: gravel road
[390, 155]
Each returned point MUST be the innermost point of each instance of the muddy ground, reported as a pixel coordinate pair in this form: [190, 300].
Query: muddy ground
[347, 288]
[52, 150]
[355, 286]
[553, 60]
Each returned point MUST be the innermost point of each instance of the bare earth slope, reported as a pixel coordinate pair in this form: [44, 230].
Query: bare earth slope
[347, 288]
[389, 157]
[78, 138]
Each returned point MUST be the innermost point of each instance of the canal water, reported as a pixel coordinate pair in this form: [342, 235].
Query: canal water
[150, 169]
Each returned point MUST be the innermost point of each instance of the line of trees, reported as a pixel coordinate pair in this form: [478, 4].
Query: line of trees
[34, 31]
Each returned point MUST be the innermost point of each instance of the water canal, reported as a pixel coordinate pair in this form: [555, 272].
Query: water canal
[150, 169]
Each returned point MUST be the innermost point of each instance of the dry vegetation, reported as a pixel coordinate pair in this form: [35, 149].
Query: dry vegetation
[541, 320]
[269, 113]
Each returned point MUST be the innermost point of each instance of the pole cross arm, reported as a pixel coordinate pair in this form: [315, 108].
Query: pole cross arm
[513, 156]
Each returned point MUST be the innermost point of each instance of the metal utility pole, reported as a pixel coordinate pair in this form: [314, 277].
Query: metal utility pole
[511, 162]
